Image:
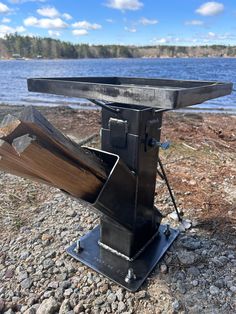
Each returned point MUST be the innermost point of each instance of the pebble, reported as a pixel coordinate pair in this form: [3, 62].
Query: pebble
[120, 294]
[214, 290]
[65, 307]
[176, 305]
[48, 306]
[186, 257]
[111, 298]
[141, 295]
[2, 305]
[163, 269]
[26, 283]
[121, 307]
[190, 243]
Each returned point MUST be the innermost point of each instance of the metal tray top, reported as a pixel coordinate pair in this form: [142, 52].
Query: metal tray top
[151, 92]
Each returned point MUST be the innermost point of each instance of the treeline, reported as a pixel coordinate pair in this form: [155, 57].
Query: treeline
[33, 47]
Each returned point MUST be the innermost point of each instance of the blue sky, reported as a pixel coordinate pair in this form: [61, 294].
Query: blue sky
[132, 22]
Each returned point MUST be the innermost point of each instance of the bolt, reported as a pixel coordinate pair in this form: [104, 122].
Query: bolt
[167, 231]
[130, 275]
[78, 247]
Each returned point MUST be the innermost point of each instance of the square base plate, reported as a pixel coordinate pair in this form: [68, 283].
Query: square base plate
[116, 267]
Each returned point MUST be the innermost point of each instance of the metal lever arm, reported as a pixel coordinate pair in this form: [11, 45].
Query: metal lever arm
[104, 105]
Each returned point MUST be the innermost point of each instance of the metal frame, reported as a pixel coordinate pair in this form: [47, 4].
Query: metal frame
[130, 240]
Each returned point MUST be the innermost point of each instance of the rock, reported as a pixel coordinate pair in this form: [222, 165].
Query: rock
[24, 255]
[120, 294]
[214, 290]
[195, 283]
[26, 283]
[2, 305]
[22, 275]
[163, 269]
[31, 310]
[111, 298]
[68, 292]
[49, 306]
[71, 213]
[100, 300]
[141, 294]
[233, 289]
[46, 237]
[53, 285]
[190, 243]
[48, 263]
[186, 257]
[65, 307]
[10, 311]
[121, 307]
[79, 308]
[176, 305]
[9, 273]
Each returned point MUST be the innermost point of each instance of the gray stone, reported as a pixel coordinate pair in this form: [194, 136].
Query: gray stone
[49, 306]
[22, 275]
[120, 294]
[48, 263]
[2, 305]
[141, 294]
[100, 300]
[68, 292]
[111, 298]
[53, 285]
[121, 307]
[65, 307]
[10, 311]
[186, 257]
[24, 255]
[233, 289]
[79, 308]
[31, 310]
[214, 290]
[176, 305]
[163, 269]
[190, 243]
[26, 283]
[195, 283]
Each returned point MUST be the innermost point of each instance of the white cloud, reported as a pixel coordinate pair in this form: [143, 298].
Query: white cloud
[210, 8]
[194, 23]
[6, 20]
[5, 29]
[48, 12]
[109, 20]
[45, 23]
[80, 32]
[123, 5]
[146, 21]
[24, 1]
[67, 16]
[54, 33]
[130, 29]
[4, 8]
[86, 25]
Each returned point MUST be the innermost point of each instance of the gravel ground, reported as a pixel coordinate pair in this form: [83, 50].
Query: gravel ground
[197, 275]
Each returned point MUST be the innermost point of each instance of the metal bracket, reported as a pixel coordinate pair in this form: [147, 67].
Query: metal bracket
[151, 128]
[118, 132]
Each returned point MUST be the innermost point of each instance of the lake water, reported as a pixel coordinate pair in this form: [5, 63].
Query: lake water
[13, 75]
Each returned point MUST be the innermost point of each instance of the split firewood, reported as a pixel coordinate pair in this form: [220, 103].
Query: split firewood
[11, 163]
[57, 169]
[32, 122]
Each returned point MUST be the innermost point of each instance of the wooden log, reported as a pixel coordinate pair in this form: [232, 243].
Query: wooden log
[57, 169]
[10, 162]
[32, 122]
[8, 166]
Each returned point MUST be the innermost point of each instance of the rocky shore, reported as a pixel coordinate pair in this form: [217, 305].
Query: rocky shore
[198, 274]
